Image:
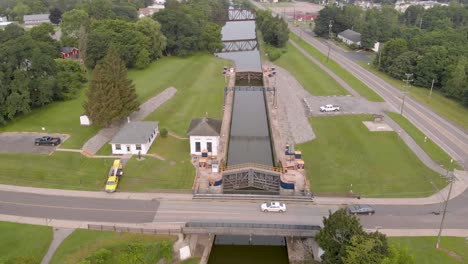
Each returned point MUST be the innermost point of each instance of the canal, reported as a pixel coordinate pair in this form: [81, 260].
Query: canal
[249, 142]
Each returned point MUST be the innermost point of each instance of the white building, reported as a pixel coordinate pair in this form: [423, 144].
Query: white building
[84, 120]
[204, 135]
[135, 137]
[350, 37]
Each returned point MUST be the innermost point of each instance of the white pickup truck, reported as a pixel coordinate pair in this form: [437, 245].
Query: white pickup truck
[329, 108]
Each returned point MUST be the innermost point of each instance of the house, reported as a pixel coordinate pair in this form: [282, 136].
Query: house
[204, 135]
[36, 19]
[69, 53]
[149, 11]
[350, 37]
[135, 137]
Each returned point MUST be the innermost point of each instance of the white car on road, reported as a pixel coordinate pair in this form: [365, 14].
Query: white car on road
[273, 207]
[329, 108]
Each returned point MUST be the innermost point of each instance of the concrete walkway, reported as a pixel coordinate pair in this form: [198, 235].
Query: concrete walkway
[95, 143]
[59, 235]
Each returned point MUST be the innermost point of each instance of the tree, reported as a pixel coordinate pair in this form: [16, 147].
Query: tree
[398, 255]
[72, 22]
[111, 95]
[456, 83]
[152, 30]
[391, 50]
[338, 230]
[70, 79]
[55, 16]
[18, 101]
[362, 249]
[210, 39]
[143, 59]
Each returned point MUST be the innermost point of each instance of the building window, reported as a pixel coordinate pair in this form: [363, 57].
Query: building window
[208, 146]
[118, 147]
[197, 147]
[138, 147]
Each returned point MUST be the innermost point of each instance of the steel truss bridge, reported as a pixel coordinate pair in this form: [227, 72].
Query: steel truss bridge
[239, 45]
[238, 14]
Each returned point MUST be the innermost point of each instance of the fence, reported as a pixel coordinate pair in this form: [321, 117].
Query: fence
[138, 230]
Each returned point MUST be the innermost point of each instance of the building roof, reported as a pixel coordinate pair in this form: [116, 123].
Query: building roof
[3, 19]
[67, 49]
[36, 17]
[351, 35]
[137, 132]
[204, 127]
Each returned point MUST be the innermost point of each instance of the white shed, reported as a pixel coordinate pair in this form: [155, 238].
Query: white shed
[85, 121]
[204, 135]
[135, 137]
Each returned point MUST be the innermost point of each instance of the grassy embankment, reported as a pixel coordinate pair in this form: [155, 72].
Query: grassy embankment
[448, 108]
[20, 243]
[83, 243]
[453, 250]
[435, 152]
[376, 164]
[349, 78]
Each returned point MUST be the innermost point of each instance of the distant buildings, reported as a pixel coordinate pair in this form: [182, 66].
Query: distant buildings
[69, 53]
[4, 22]
[35, 19]
[150, 10]
[401, 6]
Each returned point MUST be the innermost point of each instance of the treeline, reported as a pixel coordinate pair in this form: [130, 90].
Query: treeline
[431, 44]
[30, 73]
[192, 26]
[274, 31]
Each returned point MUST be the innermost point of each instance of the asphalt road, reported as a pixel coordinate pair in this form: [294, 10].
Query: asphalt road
[80, 209]
[138, 211]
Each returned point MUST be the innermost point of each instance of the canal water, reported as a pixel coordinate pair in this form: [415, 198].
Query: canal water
[249, 142]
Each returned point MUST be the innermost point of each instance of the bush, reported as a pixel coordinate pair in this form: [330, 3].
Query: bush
[163, 132]
[274, 53]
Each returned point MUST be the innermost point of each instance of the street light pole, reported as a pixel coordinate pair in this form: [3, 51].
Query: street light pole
[407, 85]
[330, 25]
[445, 206]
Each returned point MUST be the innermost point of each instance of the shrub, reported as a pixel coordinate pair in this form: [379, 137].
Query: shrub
[163, 132]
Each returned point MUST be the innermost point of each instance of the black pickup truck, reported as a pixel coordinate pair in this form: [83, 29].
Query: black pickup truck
[47, 141]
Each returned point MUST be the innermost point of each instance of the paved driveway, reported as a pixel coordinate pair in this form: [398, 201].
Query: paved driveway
[24, 143]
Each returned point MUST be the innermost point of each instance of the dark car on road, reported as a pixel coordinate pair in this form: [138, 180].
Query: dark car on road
[360, 209]
[47, 141]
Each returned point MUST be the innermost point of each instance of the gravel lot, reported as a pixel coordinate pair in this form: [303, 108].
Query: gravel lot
[347, 104]
[24, 143]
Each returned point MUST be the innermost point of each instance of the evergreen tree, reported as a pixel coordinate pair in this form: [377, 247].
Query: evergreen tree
[111, 95]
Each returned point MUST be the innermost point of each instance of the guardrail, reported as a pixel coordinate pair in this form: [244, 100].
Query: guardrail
[304, 198]
[138, 230]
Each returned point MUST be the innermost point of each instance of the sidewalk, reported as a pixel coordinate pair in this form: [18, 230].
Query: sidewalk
[459, 186]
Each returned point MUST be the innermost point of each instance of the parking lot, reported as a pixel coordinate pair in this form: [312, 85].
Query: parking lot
[347, 104]
[24, 143]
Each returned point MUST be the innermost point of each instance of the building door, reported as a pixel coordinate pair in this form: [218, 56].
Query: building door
[197, 147]
[128, 148]
[208, 146]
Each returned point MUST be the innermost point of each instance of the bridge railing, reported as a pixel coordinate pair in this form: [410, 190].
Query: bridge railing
[138, 230]
[251, 165]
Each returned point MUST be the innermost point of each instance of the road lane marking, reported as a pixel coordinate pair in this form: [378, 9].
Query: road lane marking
[78, 208]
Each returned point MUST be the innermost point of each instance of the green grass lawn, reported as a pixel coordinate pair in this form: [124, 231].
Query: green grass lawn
[200, 89]
[151, 174]
[308, 74]
[58, 117]
[377, 164]
[23, 242]
[448, 108]
[83, 243]
[424, 251]
[435, 152]
[349, 78]
[63, 170]
[192, 76]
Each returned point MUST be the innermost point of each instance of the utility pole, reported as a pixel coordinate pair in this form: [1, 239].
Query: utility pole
[407, 86]
[330, 35]
[432, 87]
[445, 206]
